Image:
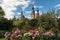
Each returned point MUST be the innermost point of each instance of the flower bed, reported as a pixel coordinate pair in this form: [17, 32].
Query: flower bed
[31, 34]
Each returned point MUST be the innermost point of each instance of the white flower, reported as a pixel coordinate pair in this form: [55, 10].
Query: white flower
[37, 33]
[29, 33]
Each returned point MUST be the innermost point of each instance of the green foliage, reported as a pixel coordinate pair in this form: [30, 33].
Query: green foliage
[41, 29]
[33, 23]
[5, 24]
[46, 20]
[1, 12]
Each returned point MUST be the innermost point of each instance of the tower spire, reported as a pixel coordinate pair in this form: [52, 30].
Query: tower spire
[22, 16]
[33, 12]
[32, 6]
[37, 11]
[37, 15]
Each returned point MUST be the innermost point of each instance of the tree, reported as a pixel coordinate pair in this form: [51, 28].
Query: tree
[1, 12]
[58, 20]
[48, 20]
[58, 13]
[33, 23]
[5, 24]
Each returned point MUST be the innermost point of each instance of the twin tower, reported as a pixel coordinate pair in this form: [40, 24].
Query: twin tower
[33, 14]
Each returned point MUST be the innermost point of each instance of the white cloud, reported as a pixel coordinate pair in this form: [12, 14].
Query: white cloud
[58, 5]
[38, 6]
[25, 4]
[27, 12]
[18, 13]
[10, 5]
[41, 6]
[29, 16]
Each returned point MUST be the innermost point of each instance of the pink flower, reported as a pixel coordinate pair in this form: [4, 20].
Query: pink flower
[7, 34]
[48, 33]
[13, 37]
[18, 36]
[16, 31]
[35, 33]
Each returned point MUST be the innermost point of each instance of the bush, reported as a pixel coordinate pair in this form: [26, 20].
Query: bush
[2, 34]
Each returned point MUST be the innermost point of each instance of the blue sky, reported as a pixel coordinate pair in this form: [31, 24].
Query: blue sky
[26, 6]
[45, 3]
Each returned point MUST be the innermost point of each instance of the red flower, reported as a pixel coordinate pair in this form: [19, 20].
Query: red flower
[33, 34]
[27, 29]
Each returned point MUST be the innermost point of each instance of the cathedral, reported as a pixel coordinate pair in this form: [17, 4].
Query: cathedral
[33, 14]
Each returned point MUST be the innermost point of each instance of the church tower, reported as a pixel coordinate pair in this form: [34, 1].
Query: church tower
[22, 16]
[37, 14]
[33, 13]
[14, 18]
